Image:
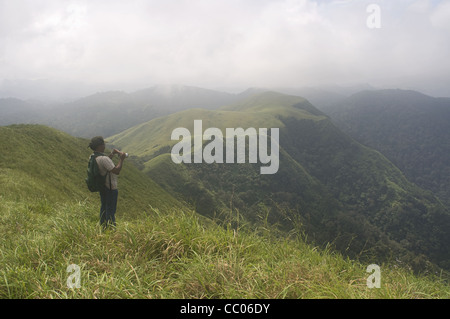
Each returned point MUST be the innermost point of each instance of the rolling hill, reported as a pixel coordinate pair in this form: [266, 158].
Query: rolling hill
[328, 185]
[160, 248]
[108, 113]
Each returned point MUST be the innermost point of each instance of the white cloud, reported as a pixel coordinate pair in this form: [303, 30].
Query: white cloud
[440, 18]
[222, 42]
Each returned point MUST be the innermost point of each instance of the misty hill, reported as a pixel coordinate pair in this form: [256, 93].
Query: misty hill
[411, 129]
[15, 111]
[328, 185]
[112, 112]
[108, 113]
[321, 97]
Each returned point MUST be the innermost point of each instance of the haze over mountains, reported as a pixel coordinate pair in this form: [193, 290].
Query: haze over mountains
[121, 110]
[366, 203]
[110, 112]
[338, 190]
[357, 94]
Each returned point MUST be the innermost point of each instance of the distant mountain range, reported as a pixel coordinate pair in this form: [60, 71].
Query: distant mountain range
[338, 190]
[348, 179]
[161, 248]
[111, 112]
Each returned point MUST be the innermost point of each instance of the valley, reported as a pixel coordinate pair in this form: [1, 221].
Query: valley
[331, 194]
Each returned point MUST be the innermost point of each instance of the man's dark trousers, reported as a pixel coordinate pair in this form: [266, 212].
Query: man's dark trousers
[108, 207]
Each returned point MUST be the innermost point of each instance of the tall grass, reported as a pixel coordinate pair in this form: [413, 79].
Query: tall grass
[175, 254]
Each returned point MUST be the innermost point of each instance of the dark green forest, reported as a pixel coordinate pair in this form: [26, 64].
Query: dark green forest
[370, 180]
[330, 187]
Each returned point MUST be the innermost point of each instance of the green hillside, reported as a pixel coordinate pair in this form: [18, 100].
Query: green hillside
[45, 164]
[49, 221]
[328, 185]
[409, 128]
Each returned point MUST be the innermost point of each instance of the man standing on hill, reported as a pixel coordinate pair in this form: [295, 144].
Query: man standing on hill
[109, 194]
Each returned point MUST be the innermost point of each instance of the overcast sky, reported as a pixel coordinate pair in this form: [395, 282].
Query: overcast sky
[227, 43]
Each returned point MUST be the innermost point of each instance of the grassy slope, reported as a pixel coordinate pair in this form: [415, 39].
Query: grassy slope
[147, 139]
[164, 253]
[173, 254]
[151, 142]
[317, 160]
[48, 165]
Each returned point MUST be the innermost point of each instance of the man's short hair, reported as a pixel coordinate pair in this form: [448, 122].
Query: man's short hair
[96, 141]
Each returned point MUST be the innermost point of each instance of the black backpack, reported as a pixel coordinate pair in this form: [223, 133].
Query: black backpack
[95, 181]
